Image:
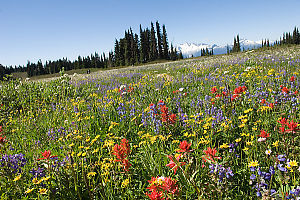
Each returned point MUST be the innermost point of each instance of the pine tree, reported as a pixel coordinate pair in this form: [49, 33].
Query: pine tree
[165, 43]
[142, 45]
[234, 49]
[117, 53]
[148, 44]
[180, 56]
[136, 48]
[122, 46]
[153, 44]
[238, 43]
[159, 41]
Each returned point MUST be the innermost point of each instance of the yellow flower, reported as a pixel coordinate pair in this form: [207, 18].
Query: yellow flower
[17, 178]
[35, 181]
[90, 174]
[175, 141]
[79, 154]
[275, 144]
[246, 149]
[225, 145]
[71, 145]
[108, 143]
[254, 128]
[238, 140]
[47, 178]
[125, 183]
[84, 154]
[29, 190]
[253, 164]
[43, 191]
[249, 143]
[293, 163]
[95, 151]
[242, 125]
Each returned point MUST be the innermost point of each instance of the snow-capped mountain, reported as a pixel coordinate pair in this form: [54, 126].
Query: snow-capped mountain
[189, 49]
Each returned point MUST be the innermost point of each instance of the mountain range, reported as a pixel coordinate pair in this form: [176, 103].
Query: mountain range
[193, 49]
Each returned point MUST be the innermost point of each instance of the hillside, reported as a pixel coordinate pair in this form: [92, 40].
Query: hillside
[217, 127]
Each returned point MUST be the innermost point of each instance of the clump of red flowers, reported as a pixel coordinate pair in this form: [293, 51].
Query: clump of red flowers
[184, 147]
[162, 187]
[238, 91]
[292, 79]
[166, 117]
[264, 134]
[284, 89]
[210, 155]
[46, 155]
[214, 90]
[121, 152]
[292, 126]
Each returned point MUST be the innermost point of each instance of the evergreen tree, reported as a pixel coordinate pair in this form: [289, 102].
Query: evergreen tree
[165, 43]
[159, 41]
[122, 46]
[148, 44]
[117, 53]
[234, 45]
[180, 56]
[143, 53]
[238, 43]
[153, 44]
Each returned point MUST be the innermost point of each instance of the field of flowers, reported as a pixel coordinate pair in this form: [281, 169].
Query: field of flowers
[223, 127]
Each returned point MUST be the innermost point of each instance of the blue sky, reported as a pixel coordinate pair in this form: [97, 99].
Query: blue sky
[52, 29]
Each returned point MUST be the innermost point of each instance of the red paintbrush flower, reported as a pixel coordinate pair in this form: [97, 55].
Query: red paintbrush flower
[210, 154]
[172, 118]
[170, 185]
[155, 195]
[2, 140]
[285, 90]
[121, 152]
[282, 121]
[214, 90]
[173, 165]
[292, 127]
[184, 146]
[47, 155]
[264, 134]
[292, 79]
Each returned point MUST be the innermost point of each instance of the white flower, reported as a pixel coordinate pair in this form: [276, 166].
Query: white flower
[225, 72]
[180, 89]
[268, 152]
[261, 139]
[122, 87]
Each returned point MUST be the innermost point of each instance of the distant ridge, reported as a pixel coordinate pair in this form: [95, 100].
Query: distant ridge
[194, 49]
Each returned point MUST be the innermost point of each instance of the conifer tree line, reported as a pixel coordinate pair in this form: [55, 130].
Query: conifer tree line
[149, 45]
[290, 38]
[206, 52]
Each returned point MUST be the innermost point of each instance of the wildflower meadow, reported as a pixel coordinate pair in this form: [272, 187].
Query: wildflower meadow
[219, 127]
